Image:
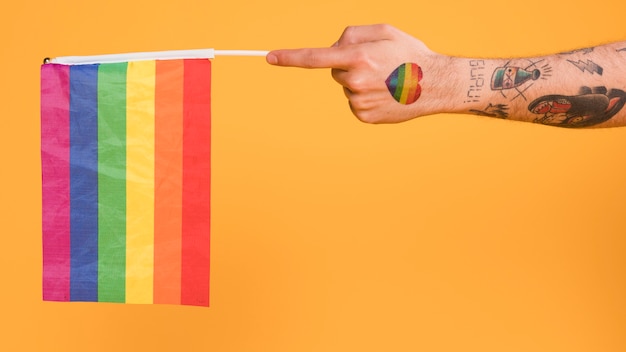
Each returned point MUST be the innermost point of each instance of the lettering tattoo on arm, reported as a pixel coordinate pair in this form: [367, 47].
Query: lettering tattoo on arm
[477, 81]
[590, 107]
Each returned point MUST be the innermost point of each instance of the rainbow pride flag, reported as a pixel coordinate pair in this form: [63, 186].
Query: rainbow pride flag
[125, 152]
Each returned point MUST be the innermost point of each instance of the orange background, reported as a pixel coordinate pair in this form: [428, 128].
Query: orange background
[445, 233]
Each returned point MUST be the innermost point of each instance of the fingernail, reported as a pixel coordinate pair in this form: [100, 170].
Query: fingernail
[271, 59]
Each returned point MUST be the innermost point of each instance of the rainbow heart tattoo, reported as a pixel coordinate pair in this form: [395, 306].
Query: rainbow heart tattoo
[403, 83]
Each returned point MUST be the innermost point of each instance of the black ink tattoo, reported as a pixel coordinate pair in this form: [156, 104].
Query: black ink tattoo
[622, 49]
[497, 110]
[518, 78]
[477, 80]
[584, 51]
[590, 66]
[590, 107]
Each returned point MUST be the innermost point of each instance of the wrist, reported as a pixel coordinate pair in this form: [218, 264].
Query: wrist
[477, 86]
[453, 85]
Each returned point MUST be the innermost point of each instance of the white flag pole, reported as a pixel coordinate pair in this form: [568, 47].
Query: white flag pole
[241, 52]
[154, 55]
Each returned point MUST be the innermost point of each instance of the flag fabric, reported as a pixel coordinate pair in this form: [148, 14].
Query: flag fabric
[125, 152]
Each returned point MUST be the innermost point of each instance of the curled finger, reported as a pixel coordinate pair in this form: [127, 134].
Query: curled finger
[347, 92]
[363, 34]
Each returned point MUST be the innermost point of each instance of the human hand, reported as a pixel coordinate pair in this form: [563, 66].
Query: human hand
[380, 68]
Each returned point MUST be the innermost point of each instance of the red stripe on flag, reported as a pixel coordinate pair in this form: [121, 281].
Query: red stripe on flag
[196, 182]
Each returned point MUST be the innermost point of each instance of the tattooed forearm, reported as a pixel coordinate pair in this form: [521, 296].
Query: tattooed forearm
[589, 85]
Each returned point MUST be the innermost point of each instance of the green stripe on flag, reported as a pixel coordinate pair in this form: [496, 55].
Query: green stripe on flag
[112, 182]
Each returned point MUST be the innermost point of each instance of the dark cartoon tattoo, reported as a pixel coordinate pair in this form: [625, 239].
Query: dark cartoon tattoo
[497, 110]
[403, 83]
[590, 107]
[518, 78]
[584, 51]
[590, 66]
[477, 80]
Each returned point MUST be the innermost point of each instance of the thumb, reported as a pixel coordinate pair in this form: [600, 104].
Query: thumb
[364, 34]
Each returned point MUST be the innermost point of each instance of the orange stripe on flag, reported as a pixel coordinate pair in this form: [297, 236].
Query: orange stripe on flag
[168, 181]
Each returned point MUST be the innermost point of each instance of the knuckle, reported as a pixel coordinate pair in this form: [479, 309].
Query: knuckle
[348, 33]
[362, 58]
[360, 102]
[386, 29]
[355, 84]
[311, 59]
[366, 116]
[364, 111]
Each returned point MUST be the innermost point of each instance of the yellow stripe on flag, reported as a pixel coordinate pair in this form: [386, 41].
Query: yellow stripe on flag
[140, 181]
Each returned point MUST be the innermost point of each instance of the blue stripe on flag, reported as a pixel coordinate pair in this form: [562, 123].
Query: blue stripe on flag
[83, 183]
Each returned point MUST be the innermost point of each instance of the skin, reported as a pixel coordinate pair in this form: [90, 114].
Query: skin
[364, 57]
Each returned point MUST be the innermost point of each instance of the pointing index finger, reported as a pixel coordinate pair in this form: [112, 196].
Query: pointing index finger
[333, 57]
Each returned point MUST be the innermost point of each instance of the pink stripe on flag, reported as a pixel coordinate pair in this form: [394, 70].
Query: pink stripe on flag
[55, 147]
